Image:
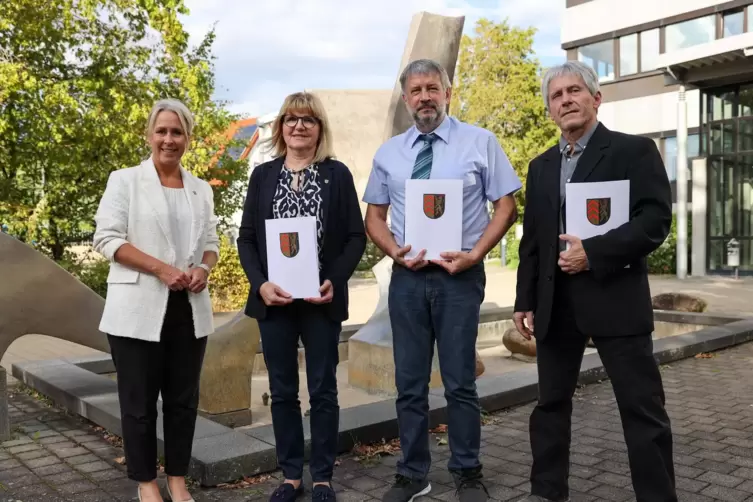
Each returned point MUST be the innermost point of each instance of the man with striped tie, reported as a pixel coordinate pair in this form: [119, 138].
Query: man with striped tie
[438, 300]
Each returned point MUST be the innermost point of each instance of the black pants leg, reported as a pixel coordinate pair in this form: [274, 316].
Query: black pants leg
[144, 369]
[320, 336]
[279, 342]
[558, 358]
[637, 384]
[184, 356]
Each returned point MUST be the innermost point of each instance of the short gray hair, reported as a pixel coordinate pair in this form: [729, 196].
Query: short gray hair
[578, 68]
[171, 105]
[423, 67]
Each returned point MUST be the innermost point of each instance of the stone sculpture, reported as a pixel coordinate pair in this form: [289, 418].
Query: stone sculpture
[680, 302]
[37, 296]
[519, 347]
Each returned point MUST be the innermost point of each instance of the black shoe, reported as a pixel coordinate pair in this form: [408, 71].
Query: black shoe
[286, 493]
[405, 489]
[470, 488]
[323, 493]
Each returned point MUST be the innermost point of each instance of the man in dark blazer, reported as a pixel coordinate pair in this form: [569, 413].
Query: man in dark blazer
[597, 288]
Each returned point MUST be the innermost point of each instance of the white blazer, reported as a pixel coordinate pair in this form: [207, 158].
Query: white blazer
[134, 210]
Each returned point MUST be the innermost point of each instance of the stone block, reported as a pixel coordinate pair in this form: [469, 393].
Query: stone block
[230, 456]
[4, 417]
[228, 366]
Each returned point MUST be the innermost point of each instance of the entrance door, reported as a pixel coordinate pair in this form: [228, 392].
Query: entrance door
[729, 123]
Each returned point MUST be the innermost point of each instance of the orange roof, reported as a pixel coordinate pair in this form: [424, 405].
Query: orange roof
[242, 129]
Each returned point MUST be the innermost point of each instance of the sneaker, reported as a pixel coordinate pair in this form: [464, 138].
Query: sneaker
[471, 489]
[286, 493]
[405, 489]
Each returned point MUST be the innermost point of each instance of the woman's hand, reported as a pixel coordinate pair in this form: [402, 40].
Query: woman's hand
[173, 278]
[199, 278]
[327, 292]
[274, 295]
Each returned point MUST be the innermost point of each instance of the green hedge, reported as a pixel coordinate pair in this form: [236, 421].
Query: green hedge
[664, 259]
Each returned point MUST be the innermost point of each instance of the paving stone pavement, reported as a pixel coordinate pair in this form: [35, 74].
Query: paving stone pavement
[57, 457]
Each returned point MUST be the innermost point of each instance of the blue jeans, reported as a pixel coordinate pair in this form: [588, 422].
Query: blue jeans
[320, 335]
[425, 306]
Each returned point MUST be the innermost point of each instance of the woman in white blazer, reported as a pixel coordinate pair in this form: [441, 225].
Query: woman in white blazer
[156, 225]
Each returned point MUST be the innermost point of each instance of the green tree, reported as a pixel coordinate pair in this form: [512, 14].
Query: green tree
[77, 81]
[497, 87]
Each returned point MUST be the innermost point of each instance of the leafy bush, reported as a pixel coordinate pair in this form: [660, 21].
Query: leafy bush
[664, 259]
[228, 285]
[89, 268]
[513, 245]
[371, 257]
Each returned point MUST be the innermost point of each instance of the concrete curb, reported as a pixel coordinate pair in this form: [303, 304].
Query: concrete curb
[221, 454]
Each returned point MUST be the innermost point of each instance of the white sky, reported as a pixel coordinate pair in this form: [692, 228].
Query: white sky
[266, 49]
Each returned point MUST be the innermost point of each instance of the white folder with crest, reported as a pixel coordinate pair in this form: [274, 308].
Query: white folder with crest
[433, 216]
[292, 261]
[596, 208]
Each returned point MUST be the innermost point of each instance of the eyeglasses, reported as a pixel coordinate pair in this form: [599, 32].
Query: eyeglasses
[308, 122]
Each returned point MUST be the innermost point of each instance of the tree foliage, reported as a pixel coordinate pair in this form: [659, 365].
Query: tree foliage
[497, 87]
[77, 81]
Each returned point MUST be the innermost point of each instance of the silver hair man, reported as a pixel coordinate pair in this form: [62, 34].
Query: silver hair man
[424, 67]
[582, 70]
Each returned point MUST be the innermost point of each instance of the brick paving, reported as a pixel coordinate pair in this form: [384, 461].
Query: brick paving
[57, 457]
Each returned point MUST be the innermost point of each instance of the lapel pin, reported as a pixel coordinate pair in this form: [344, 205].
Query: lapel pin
[326, 181]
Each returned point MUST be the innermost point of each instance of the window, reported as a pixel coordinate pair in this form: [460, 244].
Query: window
[670, 154]
[649, 49]
[733, 23]
[629, 54]
[601, 58]
[689, 33]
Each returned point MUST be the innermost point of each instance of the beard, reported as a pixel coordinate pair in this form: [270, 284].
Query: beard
[428, 121]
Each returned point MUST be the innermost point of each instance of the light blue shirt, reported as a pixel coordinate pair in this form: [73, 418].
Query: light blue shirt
[461, 151]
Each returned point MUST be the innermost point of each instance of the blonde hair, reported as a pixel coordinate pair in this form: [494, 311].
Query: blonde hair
[171, 105]
[307, 103]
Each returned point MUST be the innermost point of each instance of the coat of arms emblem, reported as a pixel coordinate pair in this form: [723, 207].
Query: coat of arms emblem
[289, 244]
[598, 210]
[434, 204]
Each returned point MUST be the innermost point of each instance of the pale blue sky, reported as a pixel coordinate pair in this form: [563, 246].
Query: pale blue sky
[268, 49]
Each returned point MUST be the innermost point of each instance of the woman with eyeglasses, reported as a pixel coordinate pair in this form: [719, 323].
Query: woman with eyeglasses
[303, 180]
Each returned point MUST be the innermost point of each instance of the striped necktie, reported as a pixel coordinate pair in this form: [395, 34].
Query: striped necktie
[422, 167]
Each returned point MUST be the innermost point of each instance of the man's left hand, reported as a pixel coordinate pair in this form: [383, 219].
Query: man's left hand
[574, 260]
[456, 261]
[199, 278]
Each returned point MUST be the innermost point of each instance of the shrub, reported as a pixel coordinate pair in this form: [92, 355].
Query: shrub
[89, 268]
[664, 259]
[371, 256]
[228, 285]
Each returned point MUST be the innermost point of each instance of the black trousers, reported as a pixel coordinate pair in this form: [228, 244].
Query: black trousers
[144, 369]
[638, 388]
[280, 332]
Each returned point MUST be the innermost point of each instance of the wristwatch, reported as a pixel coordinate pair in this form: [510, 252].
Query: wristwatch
[205, 267]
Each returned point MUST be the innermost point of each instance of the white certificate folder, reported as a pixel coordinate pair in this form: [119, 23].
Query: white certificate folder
[433, 216]
[596, 208]
[292, 260]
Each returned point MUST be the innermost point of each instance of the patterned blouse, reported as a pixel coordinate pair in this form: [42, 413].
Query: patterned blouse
[300, 194]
